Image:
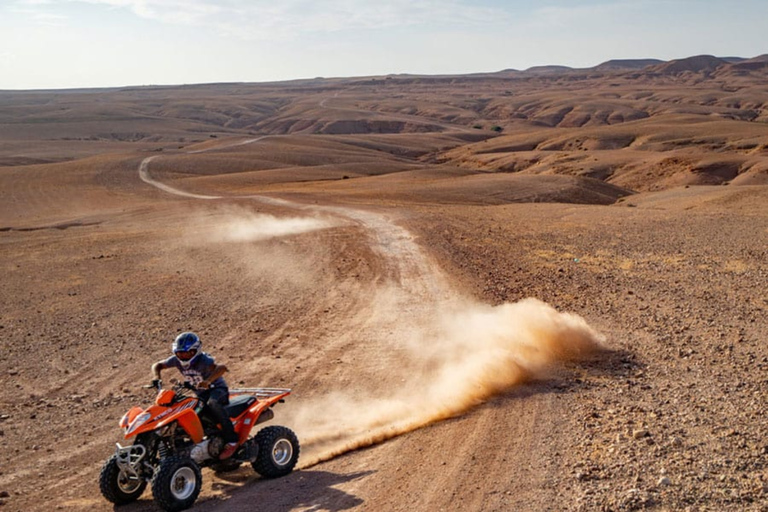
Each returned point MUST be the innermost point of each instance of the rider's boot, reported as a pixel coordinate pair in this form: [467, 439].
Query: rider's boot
[228, 451]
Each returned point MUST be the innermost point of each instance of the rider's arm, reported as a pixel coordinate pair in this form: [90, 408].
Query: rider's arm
[218, 371]
[157, 367]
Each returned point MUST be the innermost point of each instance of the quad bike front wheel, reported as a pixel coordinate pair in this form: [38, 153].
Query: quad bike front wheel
[118, 487]
[278, 452]
[176, 483]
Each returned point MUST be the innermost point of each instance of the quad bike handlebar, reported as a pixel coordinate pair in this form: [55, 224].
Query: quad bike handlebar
[181, 389]
[179, 386]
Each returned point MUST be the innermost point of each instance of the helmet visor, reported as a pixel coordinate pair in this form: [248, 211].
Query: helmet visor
[185, 355]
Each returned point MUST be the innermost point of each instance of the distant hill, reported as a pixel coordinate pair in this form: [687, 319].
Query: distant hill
[696, 64]
[621, 64]
[733, 60]
[758, 63]
[548, 69]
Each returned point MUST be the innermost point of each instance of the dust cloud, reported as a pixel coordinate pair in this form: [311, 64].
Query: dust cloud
[434, 355]
[468, 354]
[252, 227]
[275, 255]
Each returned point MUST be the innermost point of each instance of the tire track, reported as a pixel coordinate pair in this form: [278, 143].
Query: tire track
[439, 354]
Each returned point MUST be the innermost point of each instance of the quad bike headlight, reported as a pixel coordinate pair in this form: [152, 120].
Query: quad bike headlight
[124, 421]
[139, 421]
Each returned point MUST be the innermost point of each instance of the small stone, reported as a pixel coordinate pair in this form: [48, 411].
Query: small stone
[5, 494]
[664, 481]
[640, 433]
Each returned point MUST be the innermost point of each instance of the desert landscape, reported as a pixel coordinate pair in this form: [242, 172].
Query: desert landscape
[523, 290]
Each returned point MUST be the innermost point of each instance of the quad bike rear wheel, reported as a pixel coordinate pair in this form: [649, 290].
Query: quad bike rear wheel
[278, 452]
[118, 487]
[176, 483]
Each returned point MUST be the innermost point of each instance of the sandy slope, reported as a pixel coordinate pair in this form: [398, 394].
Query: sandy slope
[379, 298]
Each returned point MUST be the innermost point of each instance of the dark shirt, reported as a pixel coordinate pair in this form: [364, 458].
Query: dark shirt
[198, 370]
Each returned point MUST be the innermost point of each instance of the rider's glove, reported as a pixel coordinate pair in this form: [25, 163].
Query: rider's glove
[157, 383]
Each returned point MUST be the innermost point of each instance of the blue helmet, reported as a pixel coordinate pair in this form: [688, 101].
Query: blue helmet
[186, 347]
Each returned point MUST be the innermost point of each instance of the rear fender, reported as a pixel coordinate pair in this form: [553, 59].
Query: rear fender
[251, 416]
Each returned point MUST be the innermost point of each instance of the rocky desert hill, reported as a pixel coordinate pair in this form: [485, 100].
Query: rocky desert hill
[523, 290]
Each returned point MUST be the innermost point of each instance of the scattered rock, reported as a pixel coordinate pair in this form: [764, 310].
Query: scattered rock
[640, 433]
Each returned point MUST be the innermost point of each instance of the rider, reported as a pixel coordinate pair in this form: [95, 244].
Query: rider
[200, 370]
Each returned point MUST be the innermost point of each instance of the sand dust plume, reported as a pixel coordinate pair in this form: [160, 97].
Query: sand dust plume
[449, 354]
[253, 227]
[469, 354]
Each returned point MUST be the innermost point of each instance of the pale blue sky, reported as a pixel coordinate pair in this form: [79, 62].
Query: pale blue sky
[97, 43]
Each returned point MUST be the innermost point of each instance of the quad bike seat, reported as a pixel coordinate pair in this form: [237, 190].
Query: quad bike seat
[239, 404]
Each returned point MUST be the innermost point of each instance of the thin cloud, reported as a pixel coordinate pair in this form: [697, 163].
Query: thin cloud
[181, 12]
[39, 13]
[554, 16]
[259, 19]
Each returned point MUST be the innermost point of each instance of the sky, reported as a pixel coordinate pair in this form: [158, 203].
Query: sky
[53, 44]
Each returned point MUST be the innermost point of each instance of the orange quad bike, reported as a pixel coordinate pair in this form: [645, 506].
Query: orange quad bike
[174, 438]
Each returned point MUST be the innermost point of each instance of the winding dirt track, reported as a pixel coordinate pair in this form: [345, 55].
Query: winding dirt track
[427, 357]
[345, 306]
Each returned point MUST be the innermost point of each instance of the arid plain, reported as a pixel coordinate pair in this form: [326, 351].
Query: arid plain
[389, 247]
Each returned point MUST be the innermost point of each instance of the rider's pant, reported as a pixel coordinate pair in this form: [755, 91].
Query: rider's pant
[215, 400]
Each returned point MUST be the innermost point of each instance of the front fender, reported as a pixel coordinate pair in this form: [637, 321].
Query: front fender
[158, 416]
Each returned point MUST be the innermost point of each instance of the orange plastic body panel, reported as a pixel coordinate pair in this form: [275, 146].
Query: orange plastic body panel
[189, 421]
[165, 397]
[160, 415]
[245, 422]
